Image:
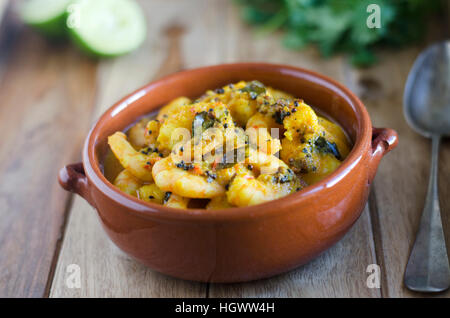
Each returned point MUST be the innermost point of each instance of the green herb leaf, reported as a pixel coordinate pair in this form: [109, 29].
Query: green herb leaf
[324, 146]
[202, 121]
[254, 88]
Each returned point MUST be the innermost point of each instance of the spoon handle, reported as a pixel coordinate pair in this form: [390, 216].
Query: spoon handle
[428, 269]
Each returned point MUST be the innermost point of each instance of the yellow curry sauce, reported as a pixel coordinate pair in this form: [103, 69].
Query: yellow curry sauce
[239, 145]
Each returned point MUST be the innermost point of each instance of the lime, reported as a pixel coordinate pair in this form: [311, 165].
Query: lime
[47, 16]
[107, 28]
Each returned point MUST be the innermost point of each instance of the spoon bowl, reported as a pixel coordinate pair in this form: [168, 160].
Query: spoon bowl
[427, 92]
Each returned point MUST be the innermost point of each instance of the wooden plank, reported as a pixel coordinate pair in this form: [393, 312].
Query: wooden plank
[3, 5]
[9, 27]
[105, 271]
[46, 95]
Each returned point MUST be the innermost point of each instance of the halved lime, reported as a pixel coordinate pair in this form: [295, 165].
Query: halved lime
[107, 27]
[47, 16]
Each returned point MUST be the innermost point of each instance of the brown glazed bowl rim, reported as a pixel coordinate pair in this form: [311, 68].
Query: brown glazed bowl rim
[152, 210]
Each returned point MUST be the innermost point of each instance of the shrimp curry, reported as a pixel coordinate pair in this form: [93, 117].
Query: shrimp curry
[239, 145]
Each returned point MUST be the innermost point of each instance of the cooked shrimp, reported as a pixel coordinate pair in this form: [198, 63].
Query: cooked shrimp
[264, 131]
[151, 132]
[299, 160]
[219, 203]
[138, 163]
[275, 180]
[182, 118]
[264, 163]
[151, 193]
[317, 157]
[170, 108]
[308, 139]
[241, 98]
[221, 150]
[175, 201]
[277, 94]
[299, 120]
[213, 133]
[136, 134]
[127, 183]
[245, 190]
[171, 178]
[324, 166]
[263, 141]
[225, 175]
[260, 120]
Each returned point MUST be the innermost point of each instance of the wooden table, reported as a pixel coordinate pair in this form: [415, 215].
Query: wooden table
[50, 95]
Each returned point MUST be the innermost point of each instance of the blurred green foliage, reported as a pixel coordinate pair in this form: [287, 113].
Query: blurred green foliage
[340, 25]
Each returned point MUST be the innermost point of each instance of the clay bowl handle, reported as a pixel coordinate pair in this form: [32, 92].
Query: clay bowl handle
[73, 178]
[383, 141]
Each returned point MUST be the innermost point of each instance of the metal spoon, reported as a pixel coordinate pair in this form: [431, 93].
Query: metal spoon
[427, 110]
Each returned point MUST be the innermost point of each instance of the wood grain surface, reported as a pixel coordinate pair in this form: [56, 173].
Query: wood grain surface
[51, 94]
[46, 96]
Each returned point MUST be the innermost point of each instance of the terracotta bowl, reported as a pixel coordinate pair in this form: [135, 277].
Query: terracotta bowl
[239, 244]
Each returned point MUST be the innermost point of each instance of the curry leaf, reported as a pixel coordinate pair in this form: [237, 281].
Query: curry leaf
[324, 146]
[254, 88]
[202, 121]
